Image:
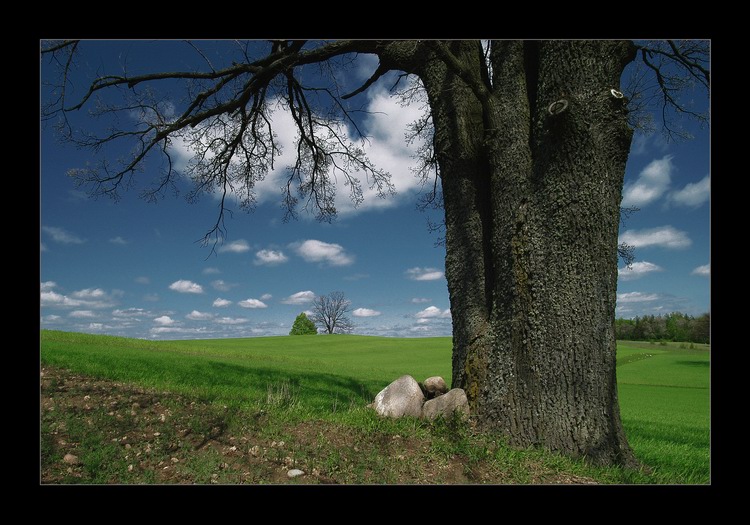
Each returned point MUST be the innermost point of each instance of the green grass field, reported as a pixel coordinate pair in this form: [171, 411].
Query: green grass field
[664, 390]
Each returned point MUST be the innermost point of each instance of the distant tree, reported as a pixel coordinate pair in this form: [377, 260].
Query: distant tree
[701, 329]
[303, 326]
[330, 312]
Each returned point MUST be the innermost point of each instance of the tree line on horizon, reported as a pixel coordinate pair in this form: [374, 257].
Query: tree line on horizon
[674, 326]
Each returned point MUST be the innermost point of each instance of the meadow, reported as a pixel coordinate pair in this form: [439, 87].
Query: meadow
[309, 392]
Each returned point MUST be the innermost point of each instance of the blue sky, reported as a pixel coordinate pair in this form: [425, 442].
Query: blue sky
[135, 269]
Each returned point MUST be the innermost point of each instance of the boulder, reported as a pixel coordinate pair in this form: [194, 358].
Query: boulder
[453, 401]
[403, 397]
[435, 386]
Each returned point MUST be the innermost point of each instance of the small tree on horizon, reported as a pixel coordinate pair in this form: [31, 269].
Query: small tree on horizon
[303, 326]
[330, 312]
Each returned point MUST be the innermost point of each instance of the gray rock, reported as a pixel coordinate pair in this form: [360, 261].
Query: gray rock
[453, 401]
[295, 472]
[403, 397]
[435, 386]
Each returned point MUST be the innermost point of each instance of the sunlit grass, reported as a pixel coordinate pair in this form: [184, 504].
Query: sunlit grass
[663, 389]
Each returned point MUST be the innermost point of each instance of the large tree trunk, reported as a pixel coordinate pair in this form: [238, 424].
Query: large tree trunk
[532, 191]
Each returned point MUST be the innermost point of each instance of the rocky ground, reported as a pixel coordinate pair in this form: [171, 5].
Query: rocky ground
[102, 431]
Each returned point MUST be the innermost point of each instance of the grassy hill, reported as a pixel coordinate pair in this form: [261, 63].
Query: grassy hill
[221, 408]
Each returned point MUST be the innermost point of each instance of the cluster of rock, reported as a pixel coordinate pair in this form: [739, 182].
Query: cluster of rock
[406, 397]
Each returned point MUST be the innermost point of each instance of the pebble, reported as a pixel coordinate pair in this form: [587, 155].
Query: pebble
[70, 459]
[295, 472]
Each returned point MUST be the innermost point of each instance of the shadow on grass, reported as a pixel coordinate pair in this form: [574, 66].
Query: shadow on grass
[701, 364]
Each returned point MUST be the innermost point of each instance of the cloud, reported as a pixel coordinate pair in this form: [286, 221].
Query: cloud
[195, 315]
[164, 320]
[130, 312]
[270, 258]
[637, 297]
[51, 318]
[300, 298]
[252, 303]
[365, 312]
[663, 236]
[221, 303]
[222, 286]
[266, 297]
[652, 183]
[230, 320]
[62, 236]
[176, 330]
[424, 274]
[703, 271]
[318, 251]
[185, 286]
[238, 246]
[638, 270]
[211, 271]
[433, 312]
[119, 240]
[82, 314]
[88, 298]
[418, 300]
[143, 280]
[693, 194]
[46, 286]
[90, 294]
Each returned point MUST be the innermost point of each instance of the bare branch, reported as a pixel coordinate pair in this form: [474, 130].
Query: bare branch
[379, 72]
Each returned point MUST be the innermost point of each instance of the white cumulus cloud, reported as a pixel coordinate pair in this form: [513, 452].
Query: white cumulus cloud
[130, 312]
[693, 194]
[118, 240]
[651, 183]
[252, 303]
[238, 246]
[419, 300]
[636, 297]
[270, 257]
[231, 320]
[365, 312]
[663, 236]
[221, 303]
[266, 297]
[47, 286]
[82, 314]
[185, 286]
[424, 274]
[164, 320]
[433, 312]
[300, 298]
[323, 252]
[638, 270]
[221, 285]
[195, 315]
[62, 236]
[703, 271]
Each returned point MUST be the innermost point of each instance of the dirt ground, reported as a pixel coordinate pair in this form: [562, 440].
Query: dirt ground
[107, 432]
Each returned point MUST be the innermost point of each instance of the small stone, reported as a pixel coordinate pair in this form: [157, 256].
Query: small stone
[86, 398]
[403, 397]
[157, 434]
[175, 460]
[130, 468]
[254, 450]
[435, 386]
[445, 405]
[295, 472]
[232, 448]
[71, 459]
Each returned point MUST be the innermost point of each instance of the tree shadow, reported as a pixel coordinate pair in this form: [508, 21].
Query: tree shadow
[701, 364]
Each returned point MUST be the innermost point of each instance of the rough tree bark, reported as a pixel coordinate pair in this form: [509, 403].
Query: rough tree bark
[532, 172]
